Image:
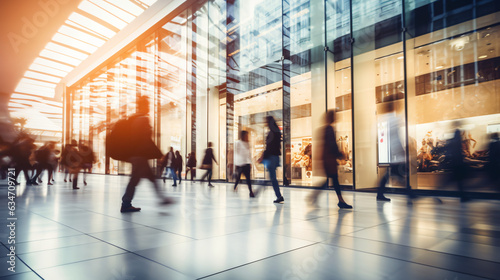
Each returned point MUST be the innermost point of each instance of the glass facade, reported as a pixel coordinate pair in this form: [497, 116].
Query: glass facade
[219, 67]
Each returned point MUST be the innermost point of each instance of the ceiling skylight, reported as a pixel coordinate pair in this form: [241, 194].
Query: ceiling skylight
[85, 30]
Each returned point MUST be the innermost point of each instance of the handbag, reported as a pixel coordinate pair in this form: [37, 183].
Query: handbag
[206, 166]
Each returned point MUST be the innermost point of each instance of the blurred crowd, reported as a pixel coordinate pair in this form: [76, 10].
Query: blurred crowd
[23, 155]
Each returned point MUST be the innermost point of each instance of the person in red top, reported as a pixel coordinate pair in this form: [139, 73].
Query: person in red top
[144, 149]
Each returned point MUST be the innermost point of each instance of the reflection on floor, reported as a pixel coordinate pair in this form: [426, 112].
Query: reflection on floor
[215, 233]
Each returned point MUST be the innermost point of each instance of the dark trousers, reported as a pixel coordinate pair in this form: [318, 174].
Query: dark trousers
[245, 169]
[193, 171]
[179, 174]
[140, 169]
[397, 170]
[273, 163]
[209, 174]
[336, 184]
[39, 167]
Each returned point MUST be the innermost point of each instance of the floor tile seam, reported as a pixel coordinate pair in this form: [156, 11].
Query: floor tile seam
[166, 231]
[44, 239]
[89, 235]
[81, 261]
[29, 267]
[444, 238]
[63, 247]
[255, 261]
[408, 261]
[423, 249]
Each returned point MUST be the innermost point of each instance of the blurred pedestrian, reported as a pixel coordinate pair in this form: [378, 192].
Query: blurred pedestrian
[21, 152]
[191, 165]
[73, 161]
[43, 157]
[494, 159]
[143, 149]
[271, 156]
[88, 159]
[207, 164]
[64, 160]
[178, 165]
[397, 164]
[456, 159]
[243, 160]
[168, 161]
[330, 154]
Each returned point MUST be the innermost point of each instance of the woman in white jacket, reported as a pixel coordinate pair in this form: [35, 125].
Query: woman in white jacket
[243, 160]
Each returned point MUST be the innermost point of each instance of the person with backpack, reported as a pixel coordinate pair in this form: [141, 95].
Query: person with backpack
[130, 140]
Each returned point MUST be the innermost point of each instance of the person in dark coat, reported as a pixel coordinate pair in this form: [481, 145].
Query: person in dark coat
[330, 154]
[191, 165]
[178, 165]
[88, 159]
[207, 164]
[21, 152]
[43, 158]
[271, 155]
[456, 160]
[144, 150]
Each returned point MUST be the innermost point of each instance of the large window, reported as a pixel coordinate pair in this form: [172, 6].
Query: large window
[220, 67]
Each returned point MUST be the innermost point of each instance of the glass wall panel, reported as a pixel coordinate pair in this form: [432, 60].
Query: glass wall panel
[198, 40]
[172, 84]
[455, 83]
[98, 122]
[221, 67]
[378, 89]
[339, 83]
[254, 72]
[307, 82]
[113, 112]
[217, 84]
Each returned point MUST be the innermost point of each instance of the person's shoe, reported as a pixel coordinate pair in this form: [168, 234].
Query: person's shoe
[76, 188]
[383, 198]
[166, 201]
[252, 194]
[49, 184]
[343, 205]
[210, 185]
[85, 183]
[164, 180]
[174, 185]
[279, 200]
[65, 181]
[130, 208]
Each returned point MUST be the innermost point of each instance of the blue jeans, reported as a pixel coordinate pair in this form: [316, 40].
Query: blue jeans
[174, 176]
[272, 162]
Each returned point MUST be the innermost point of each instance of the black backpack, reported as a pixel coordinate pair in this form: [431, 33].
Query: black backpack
[119, 144]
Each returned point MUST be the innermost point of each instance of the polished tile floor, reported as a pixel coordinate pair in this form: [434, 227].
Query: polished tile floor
[215, 233]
